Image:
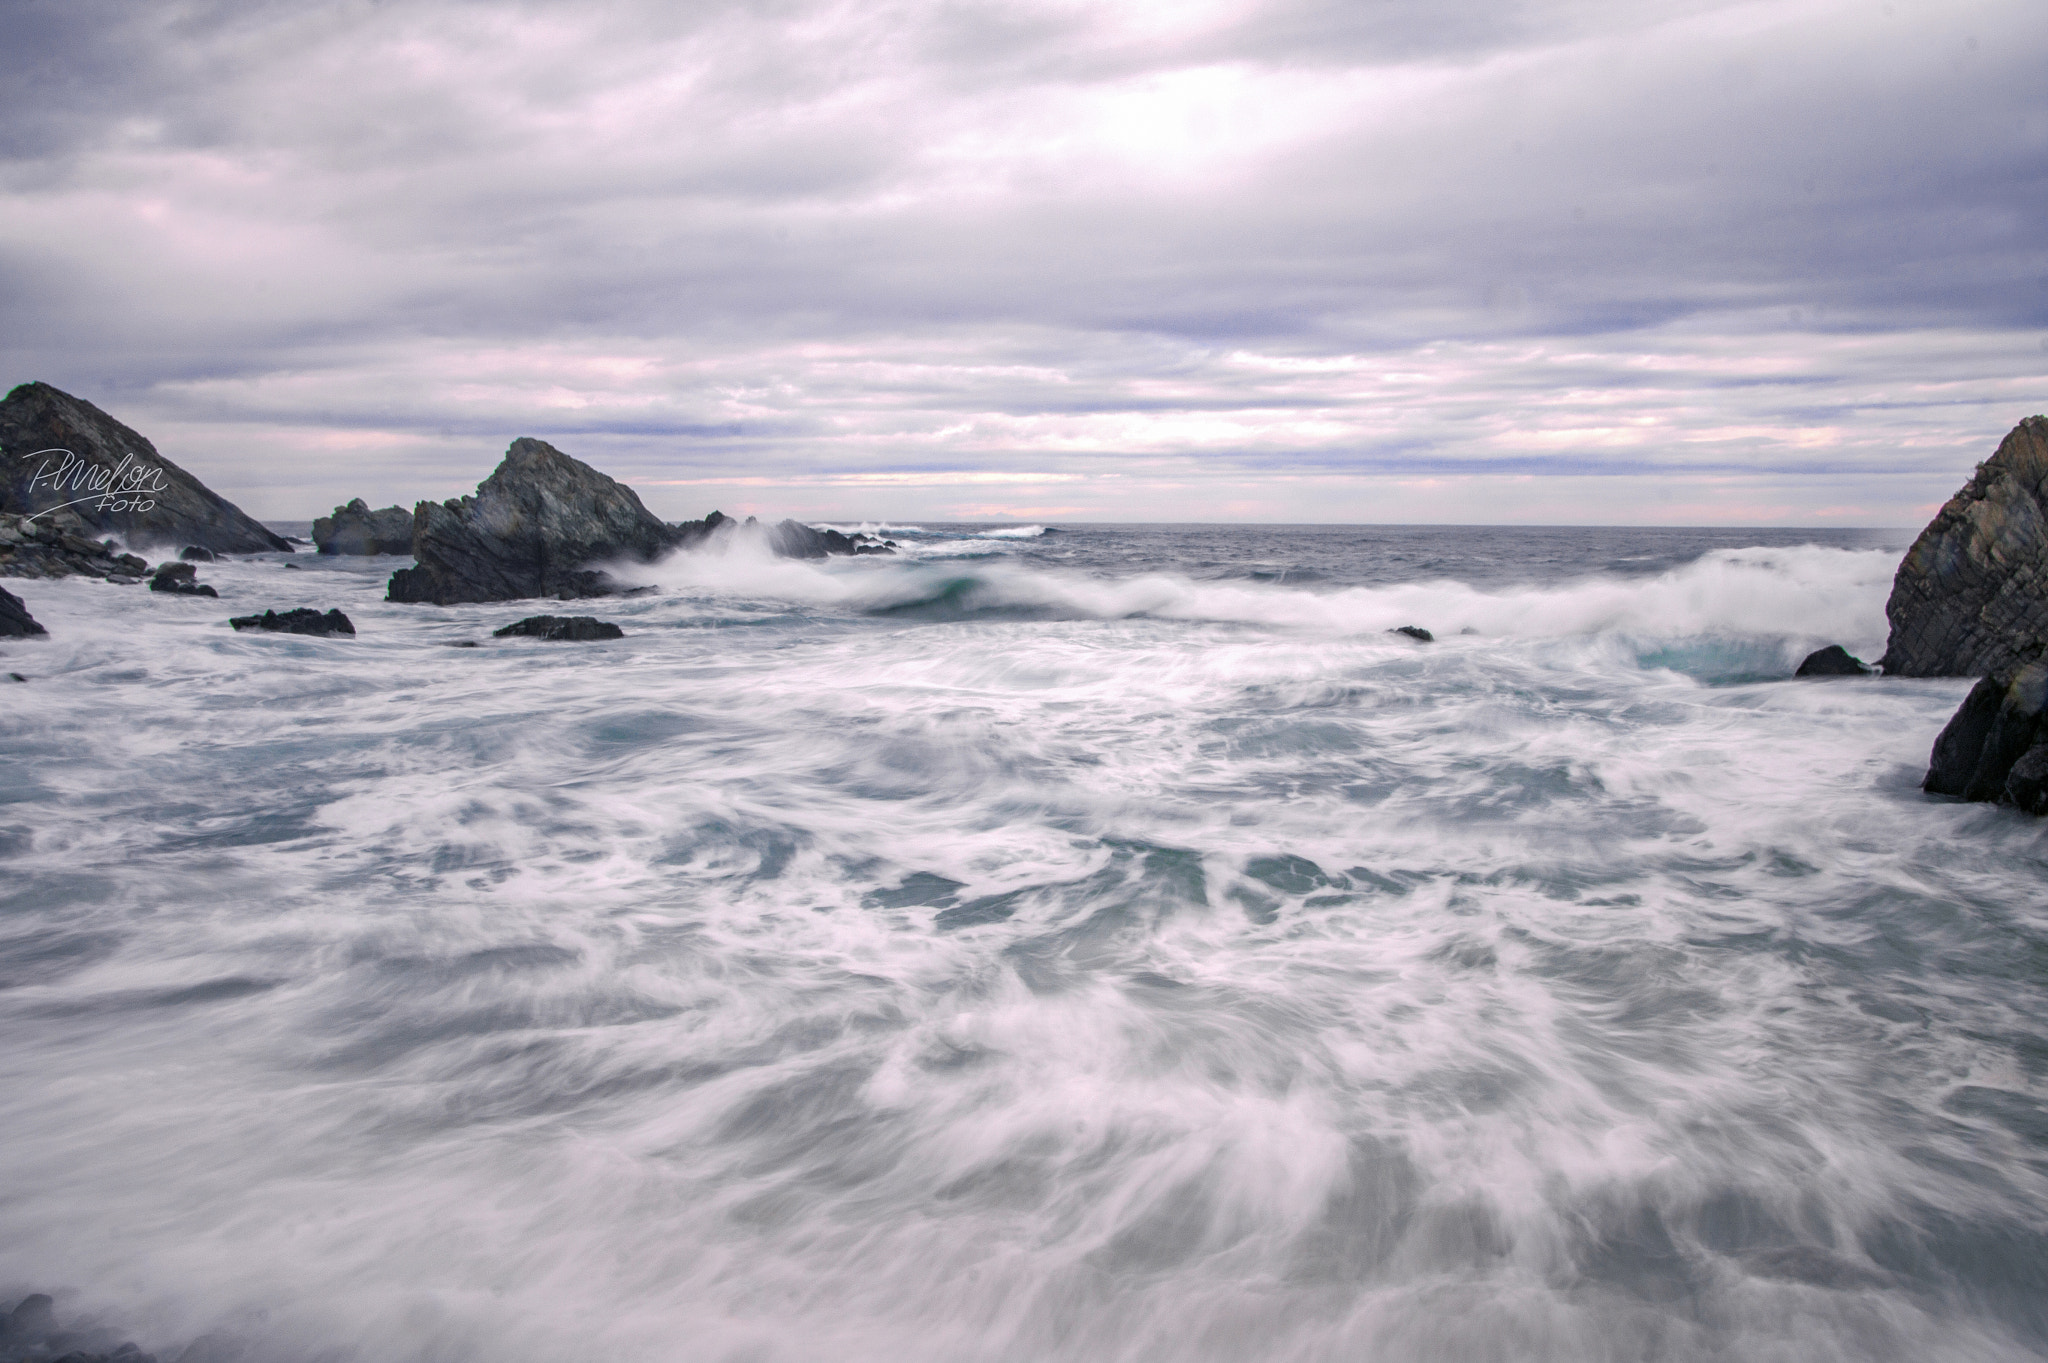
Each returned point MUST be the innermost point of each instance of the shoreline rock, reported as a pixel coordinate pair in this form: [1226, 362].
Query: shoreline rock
[15, 621]
[575, 628]
[1971, 596]
[56, 449]
[56, 545]
[356, 529]
[528, 531]
[302, 620]
[1995, 748]
[179, 579]
[1833, 661]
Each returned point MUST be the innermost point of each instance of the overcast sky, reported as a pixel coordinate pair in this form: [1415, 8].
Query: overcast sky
[1380, 260]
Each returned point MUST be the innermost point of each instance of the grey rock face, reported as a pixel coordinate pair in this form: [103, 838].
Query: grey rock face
[529, 530]
[179, 579]
[15, 621]
[355, 529]
[1996, 746]
[57, 450]
[56, 545]
[1832, 661]
[1971, 596]
[791, 539]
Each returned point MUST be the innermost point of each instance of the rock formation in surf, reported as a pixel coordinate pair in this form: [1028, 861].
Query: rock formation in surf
[355, 529]
[60, 451]
[531, 529]
[57, 545]
[576, 628]
[1971, 596]
[301, 620]
[1832, 661]
[1996, 746]
[15, 621]
[179, 579]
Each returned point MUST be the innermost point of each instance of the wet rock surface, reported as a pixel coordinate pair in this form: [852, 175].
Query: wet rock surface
[1832, 661]
[560, 627]
[60, 545]
[1971, 596]
[179, 579]
[1995, 749]
[531, 529]
[1415, 632]
[15, 621]
[356, 529]
[302, 620]
[57, 450]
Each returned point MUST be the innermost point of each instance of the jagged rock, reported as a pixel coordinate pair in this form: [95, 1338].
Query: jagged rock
[180, 579]
[1415, 632]
[792, 539]
[55, 544]
[299, 621]
[1995, 748]
[355, 529]
[15, 621]
[1971, 595]
[562, 627]
[1832, 661]
[529, 530]
[60, 451]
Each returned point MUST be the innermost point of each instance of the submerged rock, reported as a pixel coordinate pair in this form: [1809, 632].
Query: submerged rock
[15, 621]
[299, 621]
[1995, 748]
[529, 530]
[60, 451]
[1832, 661]
[181, 579]
[561, 627]
[1415, 632]
[355, 529]
[1971, 596]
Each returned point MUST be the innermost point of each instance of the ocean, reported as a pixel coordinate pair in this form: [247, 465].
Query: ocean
[1050, 943]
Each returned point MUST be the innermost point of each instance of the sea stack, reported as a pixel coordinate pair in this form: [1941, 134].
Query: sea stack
[1971, 596]
[529, 530]
[60, 451]
[355, 529]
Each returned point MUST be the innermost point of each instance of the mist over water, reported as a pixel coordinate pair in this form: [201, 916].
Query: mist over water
[1049, 943]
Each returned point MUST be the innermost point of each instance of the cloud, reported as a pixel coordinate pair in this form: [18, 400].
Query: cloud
[839, 247]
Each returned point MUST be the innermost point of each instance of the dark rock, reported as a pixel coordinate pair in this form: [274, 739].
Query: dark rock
[180, 579]
[562, 627]
[355, 529]
[529, 530]
[56, 544]
[31, 1321]
[792, 539]
[1415, 632]
[192, 553]
[16, 676]
[1971, 596]
[1995, 748]
[15, 621]
[60, 451]
[299, 621]
[1832, 661]
[464, 643]
[874, 549]
[295, 567]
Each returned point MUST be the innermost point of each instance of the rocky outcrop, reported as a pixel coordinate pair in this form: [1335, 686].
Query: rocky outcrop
[1971, 596]
[1996, 746]
[1832, 661]
[31, 1333]
[57, 545]
[60, 451]
[299, 621]
[530, 529]
[15, 621]
[179, 579]
[577, 628]
[355, 529]
[1415, 632]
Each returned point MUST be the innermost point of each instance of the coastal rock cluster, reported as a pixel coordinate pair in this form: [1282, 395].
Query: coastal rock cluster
[31, 1333]
[59, 544]
[15, 621]
[1996, 747]
[60, 451]
[576, 628]
[355, 529]
[303, 620]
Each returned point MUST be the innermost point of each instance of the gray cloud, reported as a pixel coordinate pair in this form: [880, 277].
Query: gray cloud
[357, 248]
